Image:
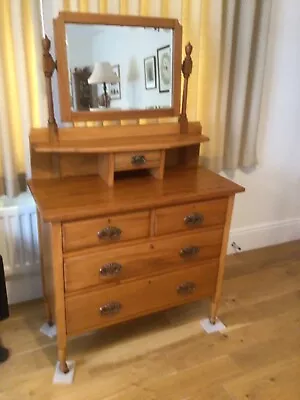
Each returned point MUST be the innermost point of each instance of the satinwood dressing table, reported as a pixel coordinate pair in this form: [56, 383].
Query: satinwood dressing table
[129, 223]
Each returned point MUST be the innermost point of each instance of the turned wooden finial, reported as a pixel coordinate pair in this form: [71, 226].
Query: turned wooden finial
[186, 69]
[49, 67]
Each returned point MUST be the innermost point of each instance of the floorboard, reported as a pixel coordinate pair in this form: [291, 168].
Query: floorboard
[166, 355]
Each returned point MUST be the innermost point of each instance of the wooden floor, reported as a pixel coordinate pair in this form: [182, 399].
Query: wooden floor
[167, 356]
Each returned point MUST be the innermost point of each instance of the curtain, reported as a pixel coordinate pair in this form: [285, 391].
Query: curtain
[229, 39]
[234, 37]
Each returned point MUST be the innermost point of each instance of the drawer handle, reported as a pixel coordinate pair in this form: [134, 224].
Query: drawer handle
[110, 308]
[138, 160]
[110, 233]
[194, 219]
[110, 269]
[186, 288]
[189, 251]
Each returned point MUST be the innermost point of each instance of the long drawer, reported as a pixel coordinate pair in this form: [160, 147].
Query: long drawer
[190, 216]
[105, 307]
[156, 256]
[105, 230]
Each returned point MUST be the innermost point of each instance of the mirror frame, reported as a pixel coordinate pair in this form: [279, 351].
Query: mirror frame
[67, 114]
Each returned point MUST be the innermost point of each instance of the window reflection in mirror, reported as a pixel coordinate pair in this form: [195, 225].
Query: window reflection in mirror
[119, 67]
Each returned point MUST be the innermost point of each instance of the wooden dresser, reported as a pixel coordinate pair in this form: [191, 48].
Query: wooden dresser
[129, 223]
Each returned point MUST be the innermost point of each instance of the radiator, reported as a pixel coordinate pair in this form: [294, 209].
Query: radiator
[19, 248]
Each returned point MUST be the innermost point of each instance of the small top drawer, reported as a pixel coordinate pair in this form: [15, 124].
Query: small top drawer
[137, 160]
[105, 230]
[190, 216]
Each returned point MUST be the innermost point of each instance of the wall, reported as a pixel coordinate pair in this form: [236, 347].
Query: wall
[80, 53]
[128, 47]
[269, 211]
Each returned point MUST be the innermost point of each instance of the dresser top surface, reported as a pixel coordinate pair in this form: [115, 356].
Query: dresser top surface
[82, 197]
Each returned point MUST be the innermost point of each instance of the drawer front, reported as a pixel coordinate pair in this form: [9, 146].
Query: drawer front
[137, 160]
[157, 256]
[190, 216]
[106, 230]
[109, 306]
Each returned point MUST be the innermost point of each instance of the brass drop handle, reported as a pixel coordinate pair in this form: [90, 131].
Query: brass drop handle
[138, 160]
[194, 219]
[110, 233]
[186, 288]
[189, 251]
[110, 269]
[111, 308]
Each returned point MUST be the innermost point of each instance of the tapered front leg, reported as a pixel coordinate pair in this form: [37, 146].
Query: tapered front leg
[58, 278]
[218, 290]
[62, 358]
[48, 310]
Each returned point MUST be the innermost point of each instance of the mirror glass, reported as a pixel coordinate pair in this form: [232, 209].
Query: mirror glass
[119, 67]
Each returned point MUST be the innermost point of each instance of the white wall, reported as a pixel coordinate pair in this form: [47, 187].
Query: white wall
[269, 211]
[128, 47]
[79, 51]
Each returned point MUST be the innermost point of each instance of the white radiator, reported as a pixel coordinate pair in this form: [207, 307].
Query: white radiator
[19, 248]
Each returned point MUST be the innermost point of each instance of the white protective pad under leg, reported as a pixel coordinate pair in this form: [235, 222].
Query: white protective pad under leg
[48, 330]
[60, 377]
[211, 328]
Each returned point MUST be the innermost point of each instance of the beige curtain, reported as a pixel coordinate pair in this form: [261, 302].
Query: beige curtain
[229, 39]
[234, 37]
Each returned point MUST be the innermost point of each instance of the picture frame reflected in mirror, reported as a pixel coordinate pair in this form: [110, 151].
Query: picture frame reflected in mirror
[150, 72]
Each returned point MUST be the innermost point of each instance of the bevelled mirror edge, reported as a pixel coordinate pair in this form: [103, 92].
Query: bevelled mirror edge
[69, 115]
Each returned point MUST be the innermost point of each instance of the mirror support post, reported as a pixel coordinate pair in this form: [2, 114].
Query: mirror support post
[186, 69]
[49, 66]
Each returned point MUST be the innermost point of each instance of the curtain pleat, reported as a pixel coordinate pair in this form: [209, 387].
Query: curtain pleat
[229, 39]
[232, 57]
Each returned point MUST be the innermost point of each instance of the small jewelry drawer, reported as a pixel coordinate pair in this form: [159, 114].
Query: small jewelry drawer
[137, 160]
[105, 307]
[106, 267]
[190, 216]
[105, 230]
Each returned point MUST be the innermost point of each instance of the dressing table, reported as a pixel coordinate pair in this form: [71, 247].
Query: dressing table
[129, 223]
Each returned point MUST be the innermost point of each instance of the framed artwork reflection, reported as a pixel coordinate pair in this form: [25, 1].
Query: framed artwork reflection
[150, 72]
[115, 88]
[164, 63]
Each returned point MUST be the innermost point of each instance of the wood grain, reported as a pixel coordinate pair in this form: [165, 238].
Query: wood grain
[171, 219]
[46, 268]
[58, 278]
[138, 298]
[62, 68]
[106, 168]
[81, 234]
[82, 197]
[218, 290]
[151, 257]
[78, 165]
[112, 131]
[159, 172]
[115, 145]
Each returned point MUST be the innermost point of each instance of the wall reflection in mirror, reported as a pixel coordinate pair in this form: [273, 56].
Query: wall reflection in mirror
[119, 67]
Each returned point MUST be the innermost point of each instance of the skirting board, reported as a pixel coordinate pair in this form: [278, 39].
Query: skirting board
[263, 235]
